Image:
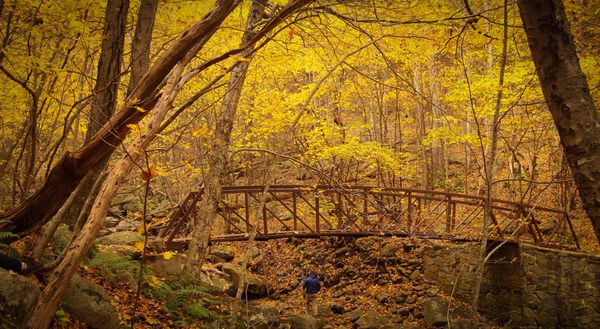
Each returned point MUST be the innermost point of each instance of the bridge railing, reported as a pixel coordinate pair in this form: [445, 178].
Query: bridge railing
[293, 210]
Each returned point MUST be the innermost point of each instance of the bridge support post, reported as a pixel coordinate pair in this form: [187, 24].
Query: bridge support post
[247, 209]
[339, 210]
[410, 211]
[317, 214]
[295, 210]
[365, 207]
[448, 214]
[264, 215]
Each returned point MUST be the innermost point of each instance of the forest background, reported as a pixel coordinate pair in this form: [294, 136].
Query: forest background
[430, 95]
[386, 93]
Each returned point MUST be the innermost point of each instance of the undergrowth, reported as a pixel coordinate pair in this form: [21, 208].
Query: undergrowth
[184, 298]
[6, 249]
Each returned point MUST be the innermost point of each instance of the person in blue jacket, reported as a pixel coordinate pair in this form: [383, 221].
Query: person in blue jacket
[12, 264]
[311, 287]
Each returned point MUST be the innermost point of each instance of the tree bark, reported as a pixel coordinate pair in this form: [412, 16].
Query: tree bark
[105, 94]
[66, 174]
[489, 159]
[568, 96]
[109, 66]
[218, 158]
[140, 46]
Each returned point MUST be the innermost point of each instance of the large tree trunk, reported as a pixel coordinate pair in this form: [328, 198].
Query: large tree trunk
[218, 160]
[67, 173]
[109, 66]
[105, 93]
[140, 46]
[567, 95]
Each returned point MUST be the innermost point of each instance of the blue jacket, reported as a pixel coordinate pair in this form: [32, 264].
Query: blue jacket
[311, 284]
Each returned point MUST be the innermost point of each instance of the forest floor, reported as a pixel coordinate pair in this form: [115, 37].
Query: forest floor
[354, 276]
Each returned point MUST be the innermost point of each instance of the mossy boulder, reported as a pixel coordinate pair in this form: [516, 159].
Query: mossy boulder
[89, 303]
[18, 297]
[126, 238]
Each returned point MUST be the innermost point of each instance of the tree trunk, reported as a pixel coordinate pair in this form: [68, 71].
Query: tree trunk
[218, 158]
[568, 96]
[140, 46]
[109, 66]
[66, 174]
[105, 93]
[489, 160]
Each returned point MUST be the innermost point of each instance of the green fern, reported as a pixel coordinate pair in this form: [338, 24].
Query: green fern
[198, 311]
[5, 235]
[182, 296]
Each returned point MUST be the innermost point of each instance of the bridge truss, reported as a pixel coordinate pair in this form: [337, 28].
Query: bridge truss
[313, 211]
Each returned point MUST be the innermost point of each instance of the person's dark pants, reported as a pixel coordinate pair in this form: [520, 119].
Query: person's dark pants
[9, 263]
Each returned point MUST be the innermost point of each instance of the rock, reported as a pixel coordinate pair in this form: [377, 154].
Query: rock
[431, 292]
[128, 278]
[418, 288]
[382, 298]
[105, 232]
[18, 297]
[401, 298]
[111, 221]
[415, 275]
[304, 321]
[404, 311]
[88, 303]
[121, 238]
[330, 282]
[165, 267]
[61, 238]
[225, 254]
[435, 312]
[256, 288]
[371, 320]
[156, 245]
[398, 318]
[462, 324]
[263, 317]
[127, 225]
[355, 315]
[389, 249]
[337, 309]
[217, 284]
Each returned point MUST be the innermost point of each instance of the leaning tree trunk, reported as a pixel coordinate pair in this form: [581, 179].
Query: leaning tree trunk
[60, 277]
[568, 96]
[203, 223]
[67, 173]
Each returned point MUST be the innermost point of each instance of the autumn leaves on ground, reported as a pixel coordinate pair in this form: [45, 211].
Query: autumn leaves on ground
[381, 277]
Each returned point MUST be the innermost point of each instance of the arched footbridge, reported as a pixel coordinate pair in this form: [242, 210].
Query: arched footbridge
[309, 211]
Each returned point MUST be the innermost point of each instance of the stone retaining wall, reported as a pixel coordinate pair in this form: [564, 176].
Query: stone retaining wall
[523, 286]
